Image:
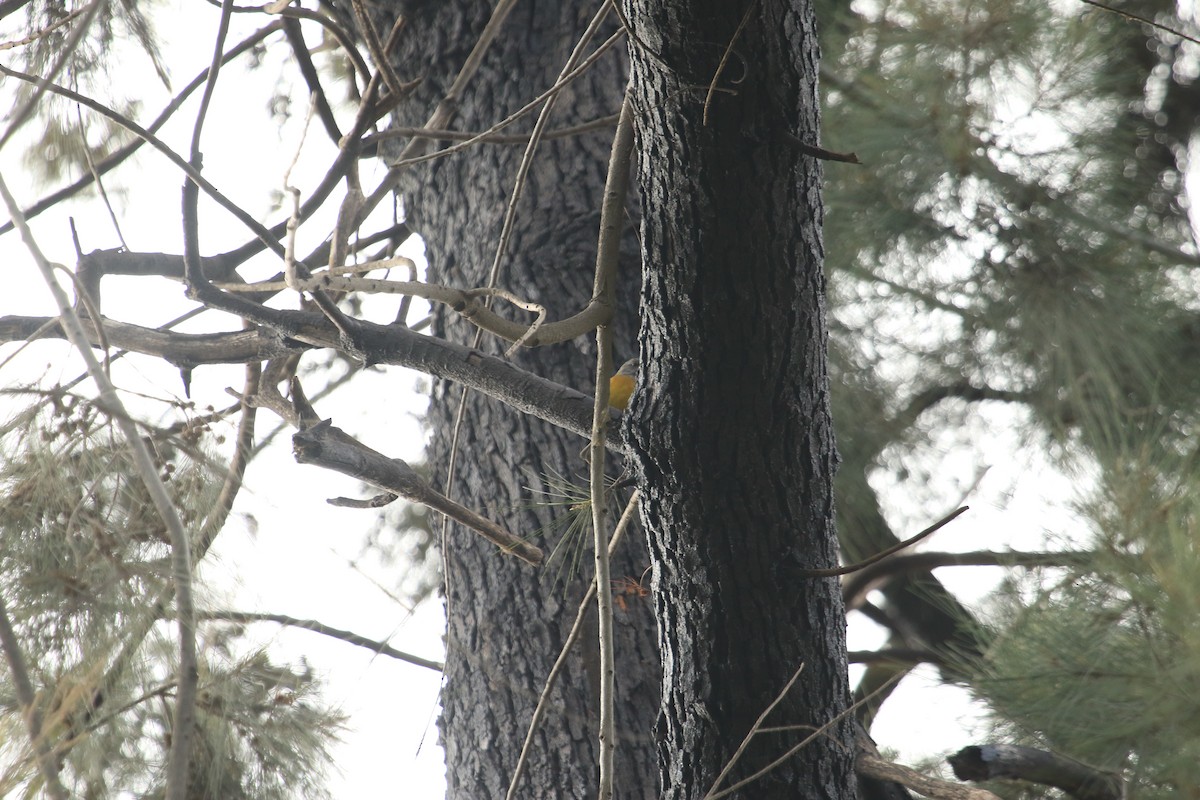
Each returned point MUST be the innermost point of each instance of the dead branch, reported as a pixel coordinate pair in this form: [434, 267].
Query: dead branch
[290, 332]
[380, 648]
[899, 656]
[879, 557]
[1009, 761]
[331, 448]
[876, 576]
[875, 767]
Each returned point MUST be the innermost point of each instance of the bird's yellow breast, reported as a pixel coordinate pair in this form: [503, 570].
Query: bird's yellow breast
[622, 384]
[620, 388]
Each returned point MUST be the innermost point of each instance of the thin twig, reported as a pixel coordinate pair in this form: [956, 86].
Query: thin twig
[612, 215]
[395, 132]
[712, 795]
[856, 589]
[573, 635]
[243, 452]
[754, 729]
[712, 86]
[339, 33]
[604, 610]
[846, 570]
[375, 47]
[636, 39]
[520, 112]
[308, 71]
[377, 647]
[1138, 18]
[535, 138]
[38, 34]
[29, 708]
[91, 165]
[291, 278]
[262, 233]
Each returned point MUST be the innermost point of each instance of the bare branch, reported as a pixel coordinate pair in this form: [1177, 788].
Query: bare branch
[380, 648]
[857, 587]
[878, 557]
[465, 302]
[184, 350]
[331, 448]
[899, 656]
[295, 331]
[295, 37]
[876, 767]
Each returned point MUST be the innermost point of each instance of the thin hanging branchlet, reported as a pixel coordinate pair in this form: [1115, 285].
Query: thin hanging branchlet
[144, 463]
[612, 214]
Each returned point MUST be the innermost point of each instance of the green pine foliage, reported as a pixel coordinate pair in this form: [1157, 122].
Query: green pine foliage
[43, 31]
[84, 572]
[1103, 664]
[1019, 233]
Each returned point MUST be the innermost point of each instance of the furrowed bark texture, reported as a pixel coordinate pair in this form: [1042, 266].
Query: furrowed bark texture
[508, 620]
[731, 427]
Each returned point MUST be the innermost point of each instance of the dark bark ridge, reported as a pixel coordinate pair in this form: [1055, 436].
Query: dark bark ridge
[731, 430]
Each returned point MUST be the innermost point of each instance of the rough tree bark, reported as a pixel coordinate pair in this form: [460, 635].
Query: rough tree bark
[731, 428]
[506, 620]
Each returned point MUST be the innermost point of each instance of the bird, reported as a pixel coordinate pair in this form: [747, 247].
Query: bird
[622, 384]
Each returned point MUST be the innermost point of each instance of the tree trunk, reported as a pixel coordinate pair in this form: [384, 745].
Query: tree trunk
[731, 428]
[508, 621]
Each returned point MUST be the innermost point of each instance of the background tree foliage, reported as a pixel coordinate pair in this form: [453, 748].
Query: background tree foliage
[1017, 235]
[1020, 234]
